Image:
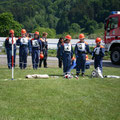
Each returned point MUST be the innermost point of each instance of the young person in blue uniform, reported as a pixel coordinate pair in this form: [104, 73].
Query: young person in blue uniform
[81, 49]
[98, 54]
[44, 50]
[24, 44]
[36, 47]
[66, 54]
[8, 46]
[60, 42]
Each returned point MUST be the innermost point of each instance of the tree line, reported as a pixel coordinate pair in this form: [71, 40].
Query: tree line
[58, 16]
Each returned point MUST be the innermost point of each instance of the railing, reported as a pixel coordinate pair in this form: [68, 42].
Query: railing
[52, 43]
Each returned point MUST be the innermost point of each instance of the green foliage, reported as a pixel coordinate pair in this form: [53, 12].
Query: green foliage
[52, 53]
[74, 28]
[7, 22]
[51, 32]
[65, 16]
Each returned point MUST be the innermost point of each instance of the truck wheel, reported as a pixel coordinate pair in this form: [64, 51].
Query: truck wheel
[115, 55]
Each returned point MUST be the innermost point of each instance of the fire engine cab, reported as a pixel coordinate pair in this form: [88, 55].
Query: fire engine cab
[112, 36]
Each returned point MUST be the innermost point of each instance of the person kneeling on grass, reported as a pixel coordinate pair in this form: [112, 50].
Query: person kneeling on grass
[98, 54]
[66, 54]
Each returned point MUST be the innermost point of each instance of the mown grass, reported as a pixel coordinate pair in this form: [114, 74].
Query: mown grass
[58, 98]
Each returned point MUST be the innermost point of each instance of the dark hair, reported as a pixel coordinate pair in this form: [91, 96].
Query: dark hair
[61, 38]
[30, 35]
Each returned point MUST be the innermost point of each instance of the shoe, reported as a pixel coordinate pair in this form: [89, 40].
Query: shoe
[45, 67]
[77, 74]
[83, 75]
[76, 77]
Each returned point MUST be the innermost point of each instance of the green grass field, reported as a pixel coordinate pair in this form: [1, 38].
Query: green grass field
[58, 98]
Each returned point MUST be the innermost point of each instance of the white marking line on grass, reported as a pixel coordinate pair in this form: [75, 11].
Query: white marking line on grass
[51, 78]
[30, 79]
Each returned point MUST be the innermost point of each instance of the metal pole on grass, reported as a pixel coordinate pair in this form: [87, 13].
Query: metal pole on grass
[12, 58]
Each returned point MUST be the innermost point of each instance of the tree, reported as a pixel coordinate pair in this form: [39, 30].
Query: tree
[74, 28]
[6, 23]
[51, 32]
[91, 26]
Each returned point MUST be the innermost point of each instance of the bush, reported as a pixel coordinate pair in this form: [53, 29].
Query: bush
[51, 32]
[6, 23]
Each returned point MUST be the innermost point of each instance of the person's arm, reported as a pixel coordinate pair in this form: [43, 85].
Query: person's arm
[93, 54]
[102, 52]
[30, 46]
[46, 45]
[40, 43]
[71, 51]
[18, 42]
[6, 43]
[88, 49]
[58, 49]
[61, 51]
[76, 50]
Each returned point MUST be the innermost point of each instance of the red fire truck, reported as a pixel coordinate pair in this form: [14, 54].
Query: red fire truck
[112, 36]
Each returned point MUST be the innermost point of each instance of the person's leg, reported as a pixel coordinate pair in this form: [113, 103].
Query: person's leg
[37, 58]
[20, 58]
[9, 59]
[64, 66]
[78, 66]
[68, 64]
[40, 63]
[45, 59]
[73, 66]
[100, 65]
[45, 63]
[95, 63]
[25, 58]
[83, 62]
[7, 51]
[33, 59]
[60, 63]
[14, 56]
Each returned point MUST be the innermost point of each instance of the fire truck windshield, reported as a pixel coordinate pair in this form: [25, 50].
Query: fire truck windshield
[112, 23]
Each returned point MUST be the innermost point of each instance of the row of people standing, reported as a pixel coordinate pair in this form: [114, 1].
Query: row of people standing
[35, 46]
[65, 54]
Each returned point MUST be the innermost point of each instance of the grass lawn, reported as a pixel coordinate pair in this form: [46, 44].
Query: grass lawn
[58, 98]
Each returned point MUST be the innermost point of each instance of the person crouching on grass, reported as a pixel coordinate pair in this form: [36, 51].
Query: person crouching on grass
[81, 49]
[66, 54]
[98, 54]
[36, 47]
